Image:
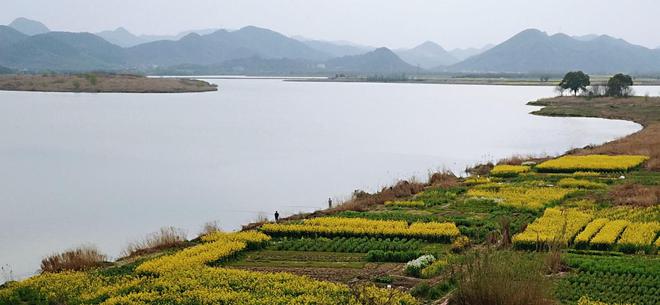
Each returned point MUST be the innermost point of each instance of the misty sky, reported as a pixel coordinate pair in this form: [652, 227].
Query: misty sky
[458, 23]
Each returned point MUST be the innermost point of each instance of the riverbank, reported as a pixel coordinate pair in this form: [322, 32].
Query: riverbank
[102, 83]
[642, 110]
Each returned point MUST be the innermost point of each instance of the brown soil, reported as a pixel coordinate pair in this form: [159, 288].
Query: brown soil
[347, 275]
[102, 83]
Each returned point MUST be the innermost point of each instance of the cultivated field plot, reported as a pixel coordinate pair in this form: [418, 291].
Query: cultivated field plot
[413, 238]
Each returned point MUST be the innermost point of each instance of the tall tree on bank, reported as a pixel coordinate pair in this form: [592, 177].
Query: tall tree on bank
[575, 81]
[619, 85]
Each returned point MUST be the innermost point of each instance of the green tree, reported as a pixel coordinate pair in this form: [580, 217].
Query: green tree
[575, 81]
[619, 85]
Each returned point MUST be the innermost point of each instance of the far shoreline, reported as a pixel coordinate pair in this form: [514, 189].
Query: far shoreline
[102, 83]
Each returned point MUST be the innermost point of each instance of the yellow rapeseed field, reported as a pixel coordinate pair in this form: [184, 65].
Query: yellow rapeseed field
[592, 163]
[608, 234]
[337, 226]
[555, 225]
[185, 278]
[509, 170]
[522, 197]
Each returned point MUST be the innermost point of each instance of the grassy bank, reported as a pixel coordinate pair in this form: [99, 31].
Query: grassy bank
[643, 110]
[101, 83]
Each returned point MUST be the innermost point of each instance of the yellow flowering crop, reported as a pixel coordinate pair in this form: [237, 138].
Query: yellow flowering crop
[531, 198]
[608, 234]
[509, 170]
[640, 234]
[592, 163]
[184, 278]
[634, 214]
[221, 246]
[337, 226]
[554, 226]
[407, 204]
[477, 180]
[582, 239]
[580, 183]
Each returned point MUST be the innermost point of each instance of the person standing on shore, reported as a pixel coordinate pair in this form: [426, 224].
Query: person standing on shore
[329, 203]
[277, 216]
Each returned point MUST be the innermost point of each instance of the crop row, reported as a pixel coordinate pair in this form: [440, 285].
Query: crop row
[519, 197]
[599, 163]
[389, 215]
[221, 246]
[351, 244]
[509, 170]
[555, 225]
[634, 214]
[349, 227]
[631, 280]
[580, 183]
[621, 235]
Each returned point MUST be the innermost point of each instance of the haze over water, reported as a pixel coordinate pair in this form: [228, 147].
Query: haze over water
[109, 168]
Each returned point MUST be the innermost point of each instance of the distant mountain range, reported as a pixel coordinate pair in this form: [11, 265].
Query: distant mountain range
[125, 39]
[27, 45]
[532, 51]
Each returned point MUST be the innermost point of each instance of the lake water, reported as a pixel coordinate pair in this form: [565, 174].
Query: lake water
[107, 169]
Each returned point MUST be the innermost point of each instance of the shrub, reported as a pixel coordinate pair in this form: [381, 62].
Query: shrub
[79, 259]
[433, 269]
[384, 279]
[167, 237]
[460, 244]
[501, 277]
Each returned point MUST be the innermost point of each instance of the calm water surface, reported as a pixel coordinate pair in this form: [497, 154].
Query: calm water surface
[109, 168]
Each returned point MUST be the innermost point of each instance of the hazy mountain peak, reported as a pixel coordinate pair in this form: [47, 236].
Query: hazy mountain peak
[530, 33]
[380, 60]
[428, 44]
[121, 37]
[28, 26]
[427, 55]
